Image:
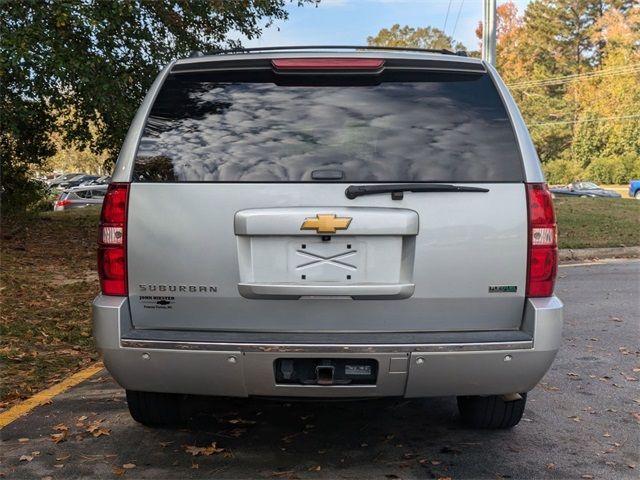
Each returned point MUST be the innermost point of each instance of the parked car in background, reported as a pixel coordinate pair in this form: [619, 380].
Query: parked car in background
[104, 180]
[634, 189]
[584, 189]
[79, 181]
[80, 197]
[56, 182]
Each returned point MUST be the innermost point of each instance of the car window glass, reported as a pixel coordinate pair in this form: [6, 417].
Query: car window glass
[409, 127]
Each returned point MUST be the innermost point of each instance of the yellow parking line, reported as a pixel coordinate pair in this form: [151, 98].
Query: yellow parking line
[43, 397]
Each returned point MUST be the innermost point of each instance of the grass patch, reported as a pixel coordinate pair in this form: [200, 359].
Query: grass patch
[597, 222]
[47, 282]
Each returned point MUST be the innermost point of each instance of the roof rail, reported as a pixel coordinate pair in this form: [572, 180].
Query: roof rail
[443, 51]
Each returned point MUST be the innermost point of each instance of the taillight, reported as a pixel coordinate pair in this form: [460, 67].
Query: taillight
[543, 248]
[62, 203]
[112, 241]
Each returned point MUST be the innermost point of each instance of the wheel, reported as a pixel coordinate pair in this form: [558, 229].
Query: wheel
[637, 195]
[491, 411]
[155, 409]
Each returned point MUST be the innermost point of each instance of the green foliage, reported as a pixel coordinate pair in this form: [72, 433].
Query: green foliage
[91, 63]
[614, 169]
[20, 192]
[562, 171]
[427, 37]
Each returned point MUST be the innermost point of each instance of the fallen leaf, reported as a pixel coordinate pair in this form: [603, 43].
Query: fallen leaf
[59, 437]
[195, 466]
[96, 429]
[165, 444]
[59, 465]
[206, 451]
[636, 415]
[586, 476]
[631, 465]
[82, 418]
[129, 466]
[23, 440]
[317, 468]
[573, 375]
[628, 378]
[551, 466]
[61, 427]
[60, 459]
[607, 435]
[26, 458]
[119, 471]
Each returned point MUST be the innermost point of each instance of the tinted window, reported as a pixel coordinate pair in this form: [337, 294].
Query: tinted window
[399, 127]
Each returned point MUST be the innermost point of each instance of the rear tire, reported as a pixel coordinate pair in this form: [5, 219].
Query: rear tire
[155, 409]
[491, 412]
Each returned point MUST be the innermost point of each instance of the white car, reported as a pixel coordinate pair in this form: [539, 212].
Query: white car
[80, 197]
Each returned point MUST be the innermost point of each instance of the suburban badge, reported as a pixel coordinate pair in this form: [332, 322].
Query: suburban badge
[503, 289]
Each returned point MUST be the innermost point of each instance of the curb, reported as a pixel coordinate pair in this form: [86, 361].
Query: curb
[570, 254]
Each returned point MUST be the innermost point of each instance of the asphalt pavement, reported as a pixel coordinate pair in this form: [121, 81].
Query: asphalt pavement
[581, 422]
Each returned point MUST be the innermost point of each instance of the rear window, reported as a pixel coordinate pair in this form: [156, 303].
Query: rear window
[399, 126]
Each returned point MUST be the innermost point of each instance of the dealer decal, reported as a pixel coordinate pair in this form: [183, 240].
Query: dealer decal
[157, 302]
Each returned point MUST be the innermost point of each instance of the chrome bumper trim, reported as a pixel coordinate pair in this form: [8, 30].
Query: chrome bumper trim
[325, 348]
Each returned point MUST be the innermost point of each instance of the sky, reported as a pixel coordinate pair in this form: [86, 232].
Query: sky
[350, 22]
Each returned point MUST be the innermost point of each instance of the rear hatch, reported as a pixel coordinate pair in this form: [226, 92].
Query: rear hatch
[262, 199]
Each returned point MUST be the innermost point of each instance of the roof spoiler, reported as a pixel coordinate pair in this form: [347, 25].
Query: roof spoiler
[197, 53]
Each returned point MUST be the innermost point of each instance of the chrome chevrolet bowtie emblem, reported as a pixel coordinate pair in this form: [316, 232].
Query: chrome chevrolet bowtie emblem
[326, 223]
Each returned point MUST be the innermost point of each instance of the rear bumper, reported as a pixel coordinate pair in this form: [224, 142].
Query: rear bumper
[456, 364]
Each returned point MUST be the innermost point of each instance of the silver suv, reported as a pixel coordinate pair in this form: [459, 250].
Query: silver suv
[328, 223]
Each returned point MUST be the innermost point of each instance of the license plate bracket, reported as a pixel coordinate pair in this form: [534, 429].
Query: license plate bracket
[322, 260]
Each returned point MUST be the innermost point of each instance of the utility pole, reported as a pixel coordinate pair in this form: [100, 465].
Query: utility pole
[489, 32]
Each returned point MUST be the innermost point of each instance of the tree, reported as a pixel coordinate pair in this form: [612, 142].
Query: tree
[612, 92]
[91, 62]
[544, 57]
[427, 37]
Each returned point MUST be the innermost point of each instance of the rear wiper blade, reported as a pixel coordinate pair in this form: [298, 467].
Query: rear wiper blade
[354, 191]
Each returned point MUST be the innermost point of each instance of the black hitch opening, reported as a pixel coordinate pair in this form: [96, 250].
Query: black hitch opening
[325, 371]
